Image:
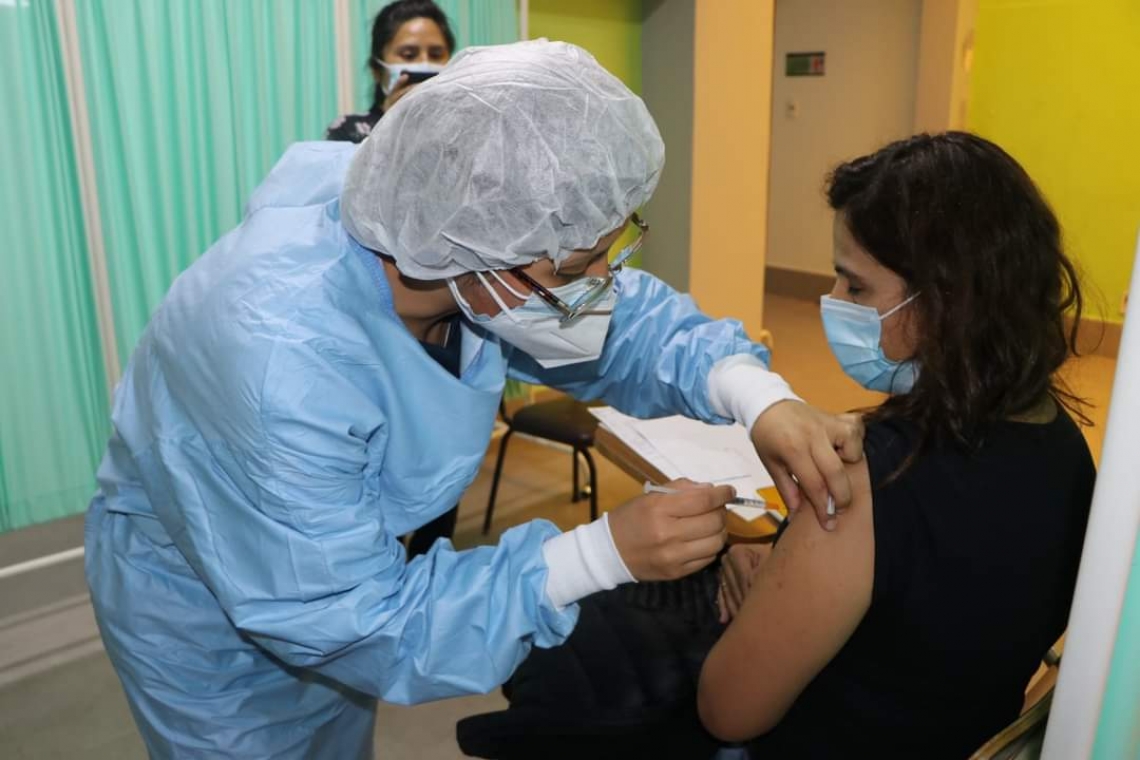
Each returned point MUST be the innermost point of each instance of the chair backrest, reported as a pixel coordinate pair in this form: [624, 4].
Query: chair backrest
[1022, 739]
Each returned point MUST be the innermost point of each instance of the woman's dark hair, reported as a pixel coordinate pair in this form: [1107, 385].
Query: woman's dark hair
[963, 224]
[389, 20]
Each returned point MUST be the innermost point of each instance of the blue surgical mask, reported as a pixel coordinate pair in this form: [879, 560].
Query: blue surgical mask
[854, 333]
[535, 328]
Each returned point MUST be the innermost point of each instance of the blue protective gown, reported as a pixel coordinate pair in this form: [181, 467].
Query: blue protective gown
[276, 429]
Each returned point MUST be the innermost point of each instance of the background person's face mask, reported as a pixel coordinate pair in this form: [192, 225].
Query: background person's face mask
[534, 326]
[854, 333]
[392, 72]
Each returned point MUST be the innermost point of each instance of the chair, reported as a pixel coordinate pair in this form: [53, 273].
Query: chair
[1022, 739]
[563, 420]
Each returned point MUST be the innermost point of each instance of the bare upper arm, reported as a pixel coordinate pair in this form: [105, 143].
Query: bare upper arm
[805, 602]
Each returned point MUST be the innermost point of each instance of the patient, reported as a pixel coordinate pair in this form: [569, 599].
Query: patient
[913, 629]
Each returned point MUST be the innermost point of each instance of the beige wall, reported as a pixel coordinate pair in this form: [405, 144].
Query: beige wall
[946, 45]
[732, 57]
[866, 98]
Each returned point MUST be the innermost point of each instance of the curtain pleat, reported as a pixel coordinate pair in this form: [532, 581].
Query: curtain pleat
[190, 106]
[53, 396]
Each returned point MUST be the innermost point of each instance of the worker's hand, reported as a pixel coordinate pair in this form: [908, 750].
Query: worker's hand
[737, 569]
[399, 90]
[804, 450]
[667, 536]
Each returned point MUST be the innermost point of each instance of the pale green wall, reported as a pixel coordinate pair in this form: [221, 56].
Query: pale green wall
[610, 29]
[1057, 84]
[667, 48]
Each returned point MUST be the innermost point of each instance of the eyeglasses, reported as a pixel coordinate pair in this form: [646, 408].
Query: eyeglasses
[599, 286]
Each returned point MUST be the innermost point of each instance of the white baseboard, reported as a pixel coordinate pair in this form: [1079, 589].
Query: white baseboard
[47, 637]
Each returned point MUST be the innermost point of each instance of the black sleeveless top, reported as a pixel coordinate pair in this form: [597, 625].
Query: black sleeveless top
[976, 559]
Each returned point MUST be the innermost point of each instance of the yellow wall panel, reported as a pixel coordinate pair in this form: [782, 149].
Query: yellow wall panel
[1057, 84]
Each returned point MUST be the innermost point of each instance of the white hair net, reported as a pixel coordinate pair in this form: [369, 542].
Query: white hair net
[513, 153]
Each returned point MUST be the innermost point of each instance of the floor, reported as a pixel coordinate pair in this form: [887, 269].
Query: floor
[78, 709]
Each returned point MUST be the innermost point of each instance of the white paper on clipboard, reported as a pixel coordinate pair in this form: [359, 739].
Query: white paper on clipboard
[683, 448]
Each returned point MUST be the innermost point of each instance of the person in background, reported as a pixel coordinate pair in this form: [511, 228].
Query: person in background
[411, 39]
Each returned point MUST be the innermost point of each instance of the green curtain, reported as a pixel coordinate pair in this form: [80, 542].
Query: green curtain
[474, 22]
[191, 103]
[53, 397]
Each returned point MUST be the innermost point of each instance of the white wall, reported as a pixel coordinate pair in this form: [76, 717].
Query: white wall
[866, 98]
[946, 48]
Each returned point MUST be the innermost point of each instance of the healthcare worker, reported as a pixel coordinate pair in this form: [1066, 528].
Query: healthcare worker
[325, 378]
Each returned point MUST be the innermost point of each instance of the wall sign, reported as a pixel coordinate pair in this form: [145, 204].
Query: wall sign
[804, 64]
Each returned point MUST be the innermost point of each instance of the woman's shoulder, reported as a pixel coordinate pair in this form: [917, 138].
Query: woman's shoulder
[352, 127]
[888, 444]
[892, 446]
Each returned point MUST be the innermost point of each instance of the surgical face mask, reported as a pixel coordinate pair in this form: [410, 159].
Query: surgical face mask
[535, 327]
[392, 72]
[854, 333]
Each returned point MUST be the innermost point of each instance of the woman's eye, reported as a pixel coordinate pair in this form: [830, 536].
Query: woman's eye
[853, 291]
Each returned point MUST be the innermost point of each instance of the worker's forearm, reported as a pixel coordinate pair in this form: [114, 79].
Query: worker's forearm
[742, 388]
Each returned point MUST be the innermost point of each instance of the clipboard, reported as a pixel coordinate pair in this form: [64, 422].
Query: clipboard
[759, 530]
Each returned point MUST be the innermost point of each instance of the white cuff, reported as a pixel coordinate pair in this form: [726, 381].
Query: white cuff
[742, 388]
[583, 561]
